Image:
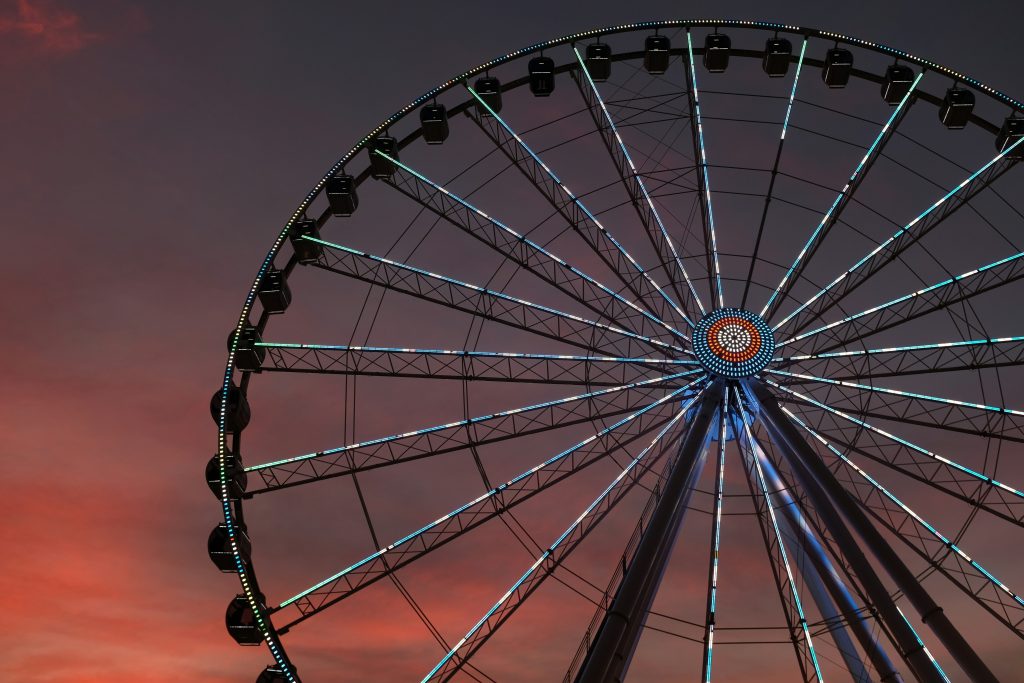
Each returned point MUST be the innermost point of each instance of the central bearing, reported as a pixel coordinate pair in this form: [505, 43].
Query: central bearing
[733, 343]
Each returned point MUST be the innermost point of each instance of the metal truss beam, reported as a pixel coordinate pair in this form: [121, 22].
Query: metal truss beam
[485, 303]
[462, 434]
[494, 366]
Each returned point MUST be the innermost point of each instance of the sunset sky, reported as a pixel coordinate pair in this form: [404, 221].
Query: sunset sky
[151, 152]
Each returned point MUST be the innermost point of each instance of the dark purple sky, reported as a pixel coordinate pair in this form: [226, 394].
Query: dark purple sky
[151, 152]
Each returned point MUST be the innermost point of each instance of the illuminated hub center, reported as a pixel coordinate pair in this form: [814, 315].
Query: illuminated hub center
[731, 342]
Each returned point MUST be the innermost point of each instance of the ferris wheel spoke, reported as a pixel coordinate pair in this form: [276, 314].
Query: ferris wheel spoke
[970, 354]
[892, 247]
[919, 409]
[919, 463]
[555, 554]
[500, 366]
[716, 538]
[633, 182]
[775, 545]
[525, 252]
[938, 550]
[472, 514]
[638, 281]
[834, 213]
[912, 305]
[774, 175]
[478, 301]
[463, 434]
[703, 180]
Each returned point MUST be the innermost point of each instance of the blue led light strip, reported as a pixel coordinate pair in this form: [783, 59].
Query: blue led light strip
[496, 294]
[473, 420]
[489, 495]
[948, 282]
[844, 457]
[716, 538]
[843, 194]
[792, 93]
[704, 172]
[575, 530]
[579, 204]
[904, 442]
[639, 181]
[534, 245]
[924, 647]
[752, 453]
[900, 349]
[907, 228]
[897, 392]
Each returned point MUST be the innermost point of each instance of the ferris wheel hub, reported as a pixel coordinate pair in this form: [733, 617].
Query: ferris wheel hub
[733, 343]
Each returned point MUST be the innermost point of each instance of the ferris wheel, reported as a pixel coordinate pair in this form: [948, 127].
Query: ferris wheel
[773, 327]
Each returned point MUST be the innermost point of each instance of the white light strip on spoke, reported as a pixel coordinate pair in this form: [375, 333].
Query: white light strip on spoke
[490, 494]
[752, 452]
[842, 194]
[906, 297]
[704, 167]
[500, 295]
[579, 204]
[892, 437]
[924, 647]
[897, 392]
[924, 214]
[723, 418]
[917, 518]
[472, 420]
[540, 249]
[639, 181]
[558, 541]
[792, 93]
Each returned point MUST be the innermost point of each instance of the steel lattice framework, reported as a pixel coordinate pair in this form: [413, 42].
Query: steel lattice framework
[829, 379]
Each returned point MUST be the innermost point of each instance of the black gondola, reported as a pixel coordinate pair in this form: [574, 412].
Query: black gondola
[1009, 135]
[956, 109]
[307, 251]
[234, 473]
[838, 65]
[542, 76]
[777, 52]
[249, 356]
[716, 52]
[599, 61]
[434, 122]
[656, 54]
[218, 546]
[489, 90]
[898, 79]
[381, 167]
[274, 292]
[237, 412]
[341, 195]
[241, 621]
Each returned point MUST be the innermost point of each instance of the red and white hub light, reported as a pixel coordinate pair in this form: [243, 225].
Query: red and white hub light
[733, 343]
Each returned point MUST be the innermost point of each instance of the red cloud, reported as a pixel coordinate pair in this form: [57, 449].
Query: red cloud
[47, 28]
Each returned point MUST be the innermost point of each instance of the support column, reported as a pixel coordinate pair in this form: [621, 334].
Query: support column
[828, 496]
[826, 575]
[616, 640]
